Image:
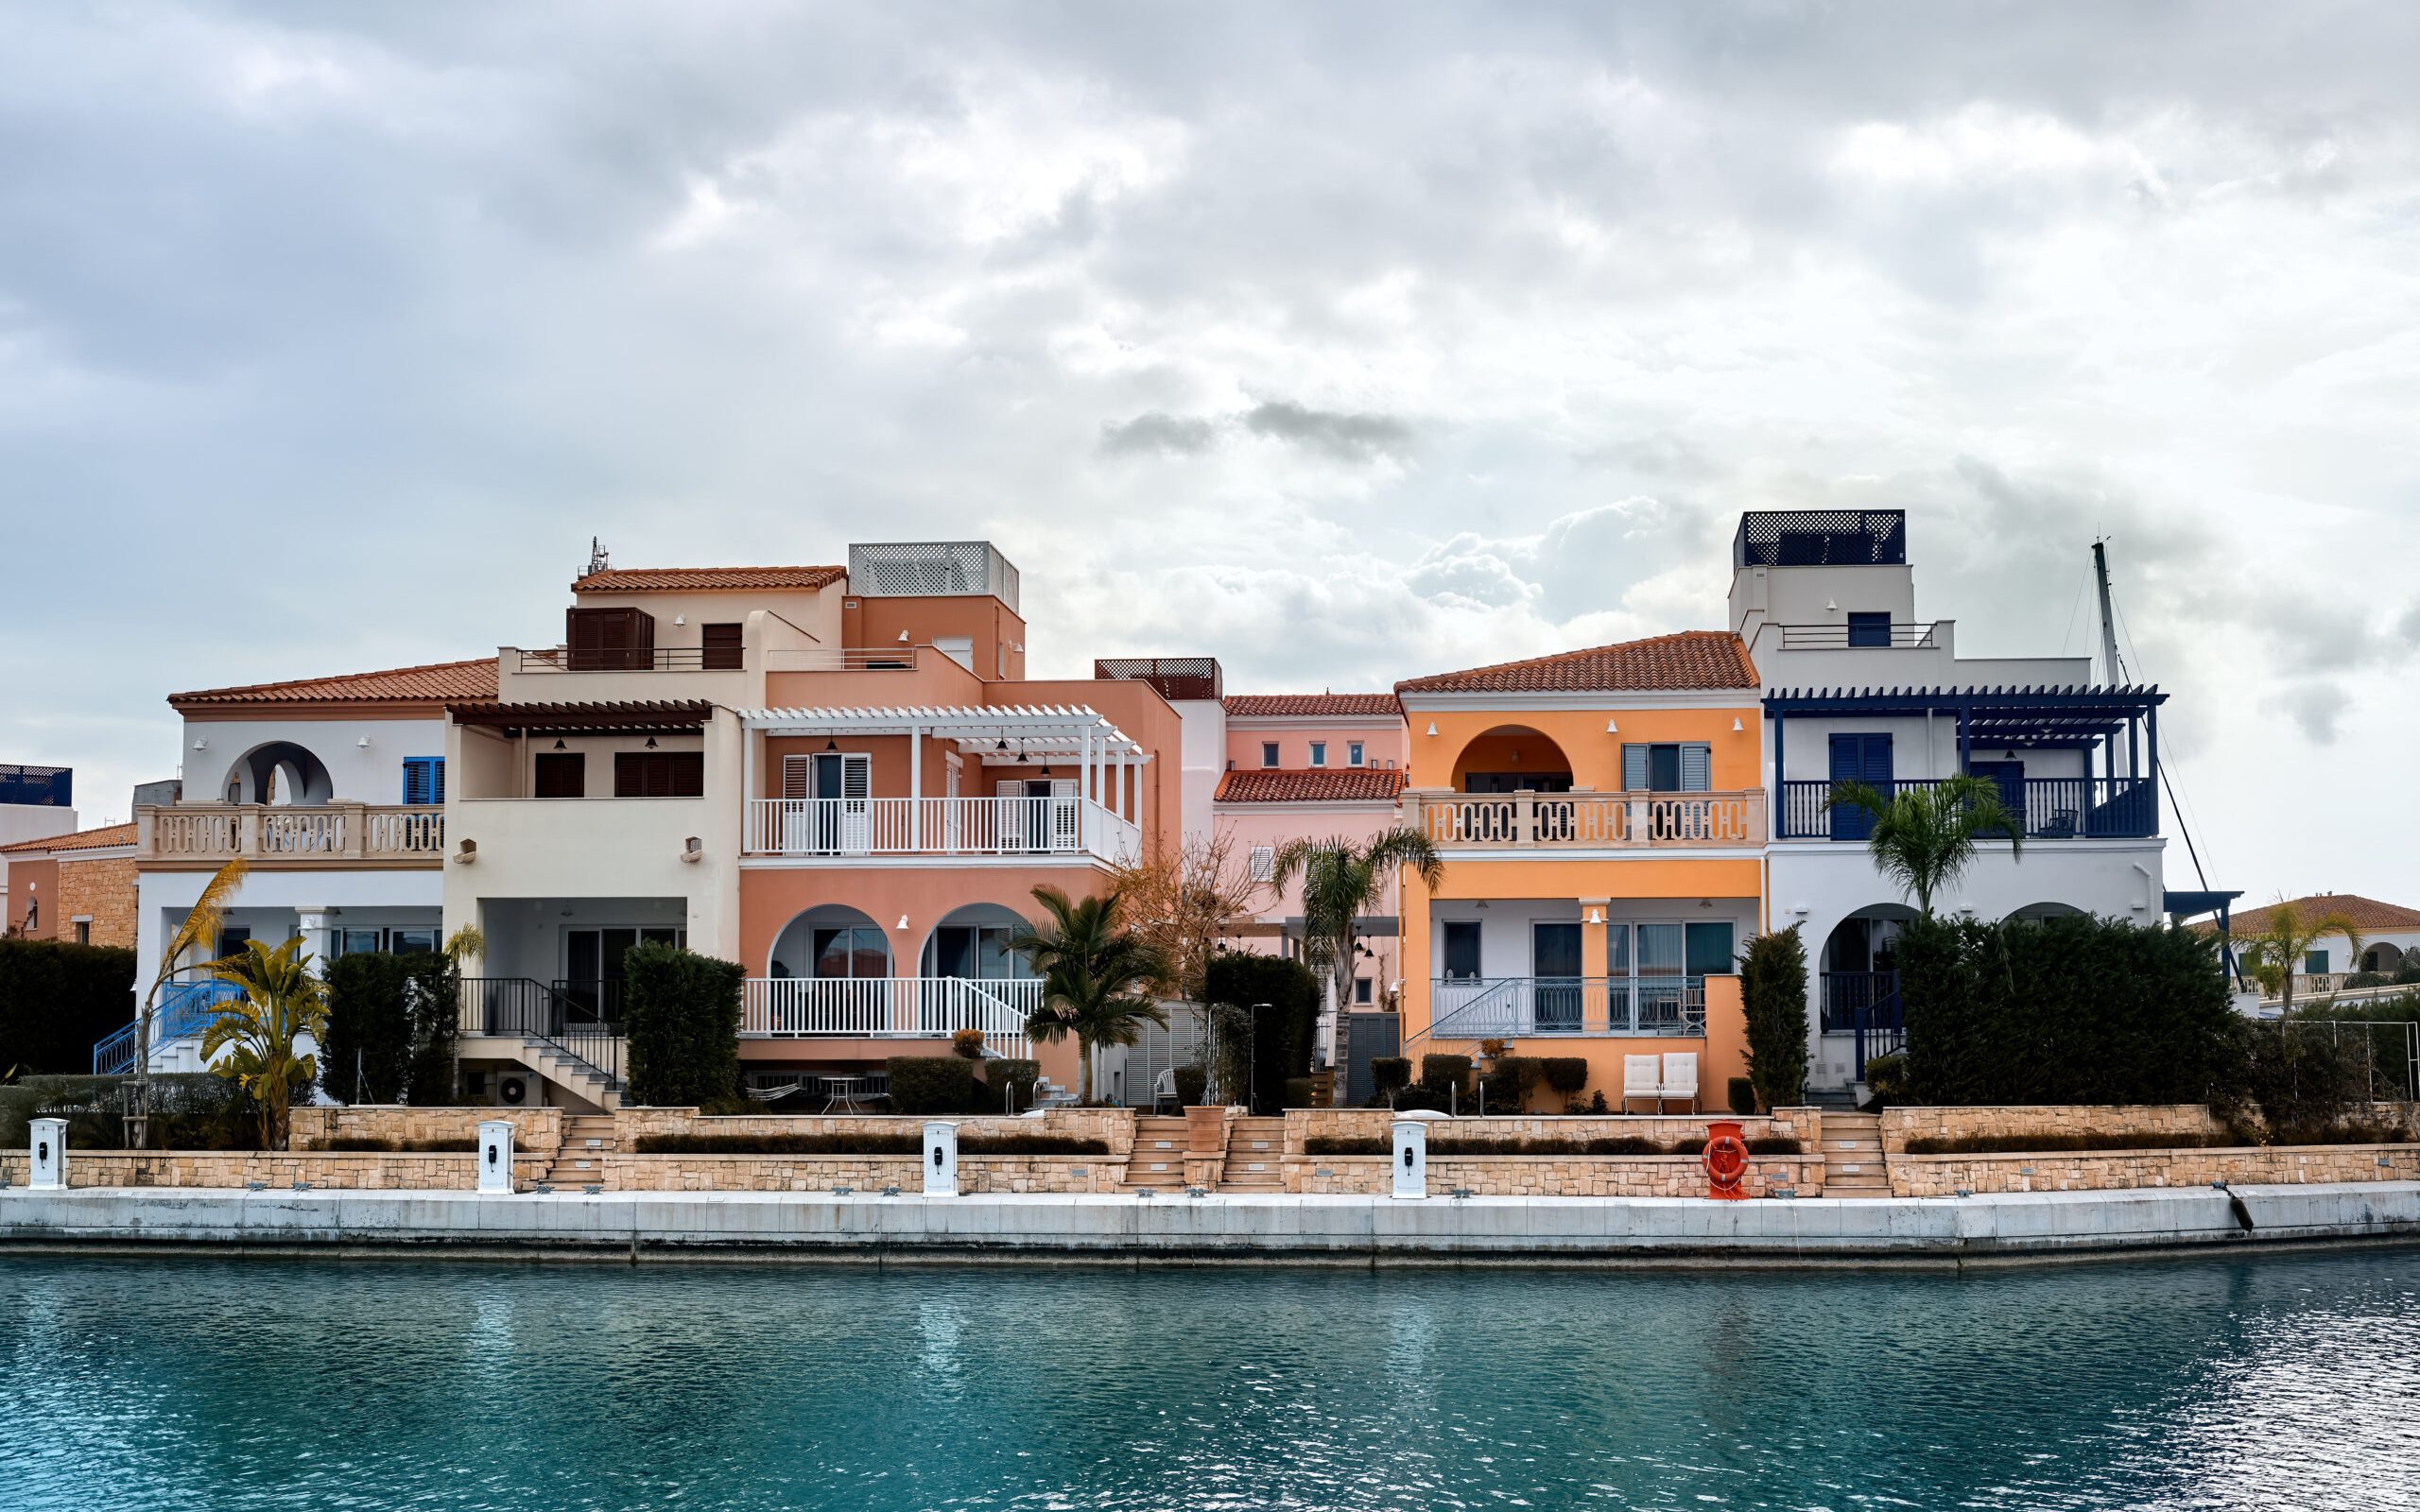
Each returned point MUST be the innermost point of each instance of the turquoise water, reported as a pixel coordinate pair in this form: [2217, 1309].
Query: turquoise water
[2280, 1382]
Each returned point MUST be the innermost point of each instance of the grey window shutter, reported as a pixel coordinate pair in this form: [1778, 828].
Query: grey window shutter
[1697, 769]
[1634, 768]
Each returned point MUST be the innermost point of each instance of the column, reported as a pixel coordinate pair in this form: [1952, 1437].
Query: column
[1595, 1002]
[318, 935]
[915, 789]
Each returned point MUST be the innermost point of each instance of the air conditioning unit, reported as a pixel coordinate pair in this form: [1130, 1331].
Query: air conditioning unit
[512, 1091]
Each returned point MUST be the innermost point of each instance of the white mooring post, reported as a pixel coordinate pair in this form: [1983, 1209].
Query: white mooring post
[50, 1150]
[941, 1159]
[495, 1155]
[1412, 1158]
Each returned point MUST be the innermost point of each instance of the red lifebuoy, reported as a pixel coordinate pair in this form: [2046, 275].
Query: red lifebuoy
[1726, 1163]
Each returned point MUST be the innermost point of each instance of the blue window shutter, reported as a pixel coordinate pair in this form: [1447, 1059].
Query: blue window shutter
[1634, 768]
[1697, 769]
[424, 781]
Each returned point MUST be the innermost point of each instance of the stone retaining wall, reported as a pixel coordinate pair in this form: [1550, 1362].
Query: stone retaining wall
[538, 1130]
[1558, 1176]
[859, 1172]
[1900, 1124]
[1115, 1127]
[1942, 1176]
[364, 1171]
[1805, 1124]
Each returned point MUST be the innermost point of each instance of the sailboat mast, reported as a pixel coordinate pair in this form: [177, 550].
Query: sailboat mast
[2109, 669]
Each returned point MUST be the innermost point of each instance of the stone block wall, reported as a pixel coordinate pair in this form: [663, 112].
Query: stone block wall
[103, 888]
[1900, 1124]
[1115, 1127]
[860, 1173]
[1303, 1124]
[1576, 1175]
[535, 1131]
[237, 1169]
[1942, 1175]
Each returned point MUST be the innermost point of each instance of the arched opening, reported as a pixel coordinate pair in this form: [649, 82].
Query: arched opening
[279, 773]
[973, 943]
[2384, 959]
[1858, 973]
[2036, 913]
[1513, 759]
[833, 942]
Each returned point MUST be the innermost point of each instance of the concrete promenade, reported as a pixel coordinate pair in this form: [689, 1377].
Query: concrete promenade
[1260, 1227]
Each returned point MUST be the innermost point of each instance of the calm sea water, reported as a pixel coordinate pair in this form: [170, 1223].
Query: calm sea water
[2283, 1381]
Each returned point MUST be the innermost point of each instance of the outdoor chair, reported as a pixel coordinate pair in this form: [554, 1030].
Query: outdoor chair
[1680, 1078]
[1163, 1090]
[1640, 1079]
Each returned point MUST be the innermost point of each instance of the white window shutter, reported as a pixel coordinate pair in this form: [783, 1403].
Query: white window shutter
[1264, 863]
[1697, 769]
[1634, 768]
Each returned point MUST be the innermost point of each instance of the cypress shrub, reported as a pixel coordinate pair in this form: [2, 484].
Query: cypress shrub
[367, 1054]
[58, 1000]
[2065, 1011]
[1773, 989]
[931, 1084]
[682, 1016]
[1284, 1031]
[1742, 1095]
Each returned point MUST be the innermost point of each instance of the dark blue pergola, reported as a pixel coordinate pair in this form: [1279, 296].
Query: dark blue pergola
[2108, 804]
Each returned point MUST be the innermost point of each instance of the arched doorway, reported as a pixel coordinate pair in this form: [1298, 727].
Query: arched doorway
[968, 978]
[2384, 957]
[831, 973]
[1513, 759]
[280, 772]
[1858, 973]
[973, 943]
[2036, 913]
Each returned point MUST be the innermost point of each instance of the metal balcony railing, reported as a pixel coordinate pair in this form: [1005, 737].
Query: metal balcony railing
[1521, 1007]
[840, 828]
[2054, 808]
[891, 1008]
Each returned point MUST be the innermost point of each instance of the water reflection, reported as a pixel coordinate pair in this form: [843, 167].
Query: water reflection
[2219, 1383]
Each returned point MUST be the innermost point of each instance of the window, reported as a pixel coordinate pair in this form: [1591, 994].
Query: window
[1462, 950]
[83, 932]
[409, 942]
[1362, 988]
[1264, 862]
[1709, 949]
[1869, 630]
[561, 774]
[1318, 753]
[1668, 767]
[658, 774]
[1353, 753]
[2315, 962]
[357, 942]
[723, 647]
[980, 951]
[423, 780]
[1268, 753]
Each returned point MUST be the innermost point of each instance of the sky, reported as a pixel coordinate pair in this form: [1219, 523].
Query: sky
[1343, 342]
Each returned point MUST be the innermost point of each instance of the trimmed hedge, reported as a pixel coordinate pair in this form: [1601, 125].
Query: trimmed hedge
[1390, 1074]
[2057, 1143]
[931, 1084]
[360, 1144]
[392, 1024]
[867, 1143]
[1772, 991]
[1605, 1145]
[1002, 1073]
[193, 1110]
[1283, 1033]
[681, 1012]
[58, 1000]
[1742, 1095]
[1440, 1073]
[1567, 1075]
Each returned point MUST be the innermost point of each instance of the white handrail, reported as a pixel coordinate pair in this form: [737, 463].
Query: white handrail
[1062, 824]
[890, 1007]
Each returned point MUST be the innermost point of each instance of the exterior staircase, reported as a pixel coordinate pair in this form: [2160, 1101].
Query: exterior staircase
[571, 1072]
[1158, 1160]
[588, 1138]
[1256, 1156]
[1853, 1162]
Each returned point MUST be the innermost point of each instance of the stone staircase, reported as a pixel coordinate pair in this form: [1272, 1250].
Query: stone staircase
[588, 1138]
[1158, 1161]
[1256, 1156]
[1853, 1162]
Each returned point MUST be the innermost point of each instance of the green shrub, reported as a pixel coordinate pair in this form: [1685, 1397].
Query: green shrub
[1282, 1034]
[58, 1000]
[1001, 1075]
[1346, 1145]
[1743, 1090]
[2068, 1010]
[931, 1084]
[1567, 1075]
[392, 1022]
[189, 1112]
[2305, 1079]
[681, 1013]
[870, 1142]
[2368, 979]
[1886, 1079]
[1694, 1145]
[1390, 1073]
[1772, 991]
[1773, 1144]
[1191, 1083]
[358, 1143]
[1298, 1092]
[1030, 1144]
[1506, 1086]
[1441, 1073]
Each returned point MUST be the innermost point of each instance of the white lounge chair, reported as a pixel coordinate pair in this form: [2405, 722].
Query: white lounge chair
[1164, 1089]
[1640, 1079]
[1680, 1078]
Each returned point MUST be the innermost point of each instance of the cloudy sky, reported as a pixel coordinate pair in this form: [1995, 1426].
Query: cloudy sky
[1345, 343]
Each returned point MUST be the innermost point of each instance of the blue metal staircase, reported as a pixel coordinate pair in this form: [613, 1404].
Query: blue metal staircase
[183, 1011]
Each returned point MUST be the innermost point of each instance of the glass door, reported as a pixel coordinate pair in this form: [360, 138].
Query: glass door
[1554, 972]
[1661, 954]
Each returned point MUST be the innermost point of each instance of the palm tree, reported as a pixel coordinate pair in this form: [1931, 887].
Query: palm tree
[200, 932]
[282, 1003]
[2274, 953]
[1097, 976]
[1924, 837]
[1341, 881]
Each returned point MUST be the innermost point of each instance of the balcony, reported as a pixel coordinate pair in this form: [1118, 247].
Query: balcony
[1526, 1007]
[338, 834]
[1587, 821]
[1895, 636]
[2054, 808]
[1017, 828]
[890, 1007]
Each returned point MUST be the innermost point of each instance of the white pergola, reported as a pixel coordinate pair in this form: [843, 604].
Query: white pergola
[1109, 762]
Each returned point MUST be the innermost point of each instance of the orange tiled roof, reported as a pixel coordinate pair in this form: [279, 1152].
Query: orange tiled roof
[100, 840]
[1346, 705]
[1344, 785]
[678, 579]
[2367, 914]
[1689, 660]
[433, 684]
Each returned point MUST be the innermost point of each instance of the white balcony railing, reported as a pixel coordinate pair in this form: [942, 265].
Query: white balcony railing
[890, 1007]
[974, 826]
[1587, 821]
[258, 833]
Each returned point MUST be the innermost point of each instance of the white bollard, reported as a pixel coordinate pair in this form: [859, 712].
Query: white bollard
[50, 1148]
[941, 1159]
[495, 1155]
[1412, 1158]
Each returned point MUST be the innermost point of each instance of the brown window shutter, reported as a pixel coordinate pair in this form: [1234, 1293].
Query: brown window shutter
[630, 774]
[723, 647]
[561, 774]
[689, 773]
[610, 640]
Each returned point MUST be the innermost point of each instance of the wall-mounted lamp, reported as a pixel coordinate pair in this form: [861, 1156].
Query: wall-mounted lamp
[1800, 909]
[692, 850]
[1705, 902]
[902, 921]
[831, 746]
[1432, 730]
[1832, 604]
[558, 743]
[363, 742]
[651, 742]
[903, 637]
[680, 619]
[202, 745]
[466, 851]
[1737, 728]
[1596, 916]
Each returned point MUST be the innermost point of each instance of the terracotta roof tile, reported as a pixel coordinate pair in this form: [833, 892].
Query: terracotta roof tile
[2367, 914]
[432, 683]
[691, 579]
[1297, 705]
[1689, 660]
[107, 836]
[1348, 785]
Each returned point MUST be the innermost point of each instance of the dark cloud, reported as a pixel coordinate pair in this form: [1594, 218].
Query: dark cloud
[1155, 432]
[1347, 438]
